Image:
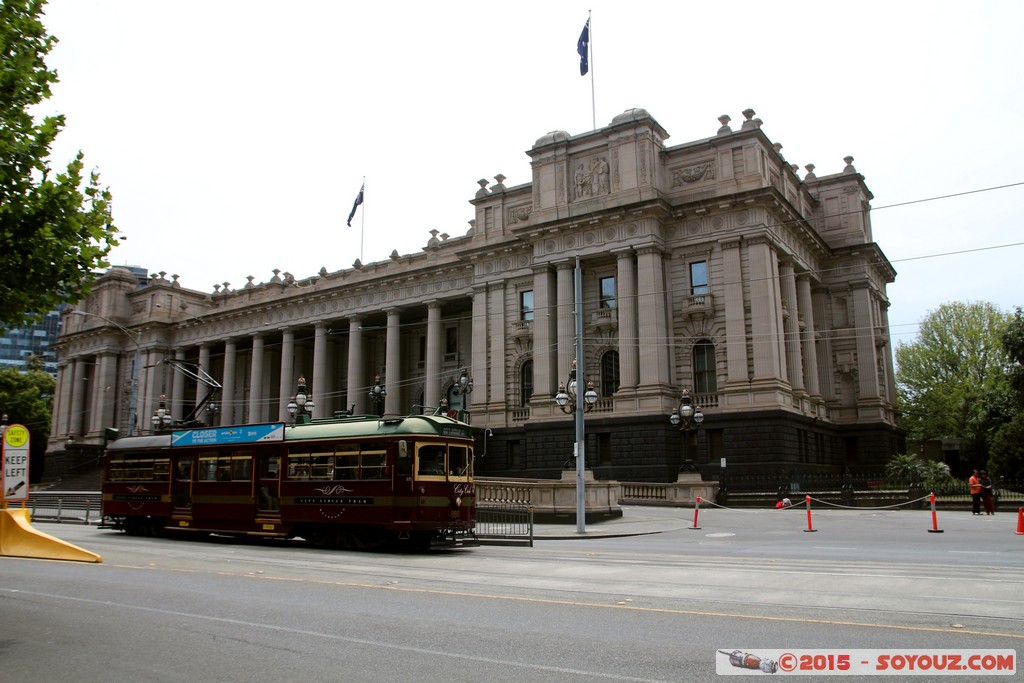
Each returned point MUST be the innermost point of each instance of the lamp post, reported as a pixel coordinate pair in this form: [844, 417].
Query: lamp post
[377, 395]
[136, 362]
[687, 418]
[463, 386]
[162, 419]
[567, 399]
[212, 411]
[301, 406]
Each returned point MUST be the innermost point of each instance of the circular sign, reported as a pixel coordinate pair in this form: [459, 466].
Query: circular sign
[16, 436]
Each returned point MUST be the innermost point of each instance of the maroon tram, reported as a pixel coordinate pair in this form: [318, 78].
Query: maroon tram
[343, 482]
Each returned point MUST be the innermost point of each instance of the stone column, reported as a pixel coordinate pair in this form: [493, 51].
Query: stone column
[629, 359]
[652, 304]
[62, 401]
[393, 364]
[826, 359]
[255, 413]
[320, 384]
[478, 351]
[765, 311]
[286, 385]
[356, 386]
[493, 359]
[201, 389]
[77, 397]
[432, 367]
[177, 402]
[545, 382]
[104, 390]
[810, 353]
[867, 365]
[791, 327]
[227, 408]
[735, 316]
[566, 320]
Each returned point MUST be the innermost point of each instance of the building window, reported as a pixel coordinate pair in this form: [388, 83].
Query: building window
[609, 373]
[607, 285]
[525, 384]
[704, 378]
[451, 341]
[699, 277]
[526, 305]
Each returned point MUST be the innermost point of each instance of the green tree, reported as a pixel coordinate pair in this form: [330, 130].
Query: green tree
[1006, 453]
[952, 380]
[55, 229]
[26, 398]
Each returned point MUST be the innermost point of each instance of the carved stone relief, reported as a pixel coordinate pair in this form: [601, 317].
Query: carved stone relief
[519, 214]
[693, 174]
[591, 178]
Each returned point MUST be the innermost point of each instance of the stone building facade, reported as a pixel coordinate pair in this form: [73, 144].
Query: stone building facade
[709, 266]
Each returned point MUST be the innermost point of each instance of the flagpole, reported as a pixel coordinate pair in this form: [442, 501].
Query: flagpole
[590, 45]
[362, 222]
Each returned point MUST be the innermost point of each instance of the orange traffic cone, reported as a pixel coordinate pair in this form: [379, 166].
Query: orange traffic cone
[1020, 521]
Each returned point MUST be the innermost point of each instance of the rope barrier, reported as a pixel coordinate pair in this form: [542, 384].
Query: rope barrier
[858, 507]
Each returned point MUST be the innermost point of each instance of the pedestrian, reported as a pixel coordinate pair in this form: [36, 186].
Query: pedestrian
[987, 490]
[975, 493]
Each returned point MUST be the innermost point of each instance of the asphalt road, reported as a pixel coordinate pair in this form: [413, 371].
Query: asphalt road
[651, 607]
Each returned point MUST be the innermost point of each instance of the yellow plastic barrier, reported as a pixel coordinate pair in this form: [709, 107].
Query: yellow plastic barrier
[19, 539]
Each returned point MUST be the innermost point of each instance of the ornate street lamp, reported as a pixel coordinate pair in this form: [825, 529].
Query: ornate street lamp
[162, 419]
[301, 406]
[567, 399]
[212, 410]
[687, 418]
[463, 385]
[377, 395]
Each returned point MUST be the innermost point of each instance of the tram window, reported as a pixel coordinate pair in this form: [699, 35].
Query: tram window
[139, 469]
[270, 466]
[373, 465]
[347, 465]
[241, 466]
[161, 470]
[298, 467]
[321, 466]
[431, 460]
[207, 469]
[458, 461]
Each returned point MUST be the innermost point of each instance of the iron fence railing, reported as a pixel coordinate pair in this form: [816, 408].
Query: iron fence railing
[504, 525]
[799, 482]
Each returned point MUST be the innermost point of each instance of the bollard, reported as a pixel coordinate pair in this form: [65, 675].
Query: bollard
[935, 520]
[810, 525]
[696, 511]
[1020, 521]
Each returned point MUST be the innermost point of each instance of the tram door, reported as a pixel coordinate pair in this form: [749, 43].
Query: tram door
[181, 492]
[268, 482]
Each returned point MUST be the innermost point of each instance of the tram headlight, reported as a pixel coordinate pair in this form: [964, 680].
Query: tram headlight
[458, 501]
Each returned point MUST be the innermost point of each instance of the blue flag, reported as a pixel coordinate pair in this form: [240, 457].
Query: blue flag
[355, 204]
[583, 47]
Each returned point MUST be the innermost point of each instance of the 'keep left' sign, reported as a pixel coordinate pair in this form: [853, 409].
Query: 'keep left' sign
[15, 464]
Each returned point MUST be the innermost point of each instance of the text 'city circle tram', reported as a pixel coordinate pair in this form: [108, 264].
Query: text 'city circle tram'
[350, 481]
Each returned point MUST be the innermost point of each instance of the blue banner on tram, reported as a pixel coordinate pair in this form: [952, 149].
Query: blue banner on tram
[217, 436]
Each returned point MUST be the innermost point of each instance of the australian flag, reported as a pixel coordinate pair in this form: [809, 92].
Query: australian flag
[355, 204]
[583, 47]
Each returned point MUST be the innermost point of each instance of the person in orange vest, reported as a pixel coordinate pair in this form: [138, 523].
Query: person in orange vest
[975, 493]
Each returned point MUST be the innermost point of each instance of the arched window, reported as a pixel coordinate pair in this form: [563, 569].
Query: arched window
[525, 383]
[609, 373]
[705, 380]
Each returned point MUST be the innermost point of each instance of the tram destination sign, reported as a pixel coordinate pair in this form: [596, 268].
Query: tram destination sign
[218, 436]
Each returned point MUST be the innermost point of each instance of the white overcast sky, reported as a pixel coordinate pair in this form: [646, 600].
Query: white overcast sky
[235, 134]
